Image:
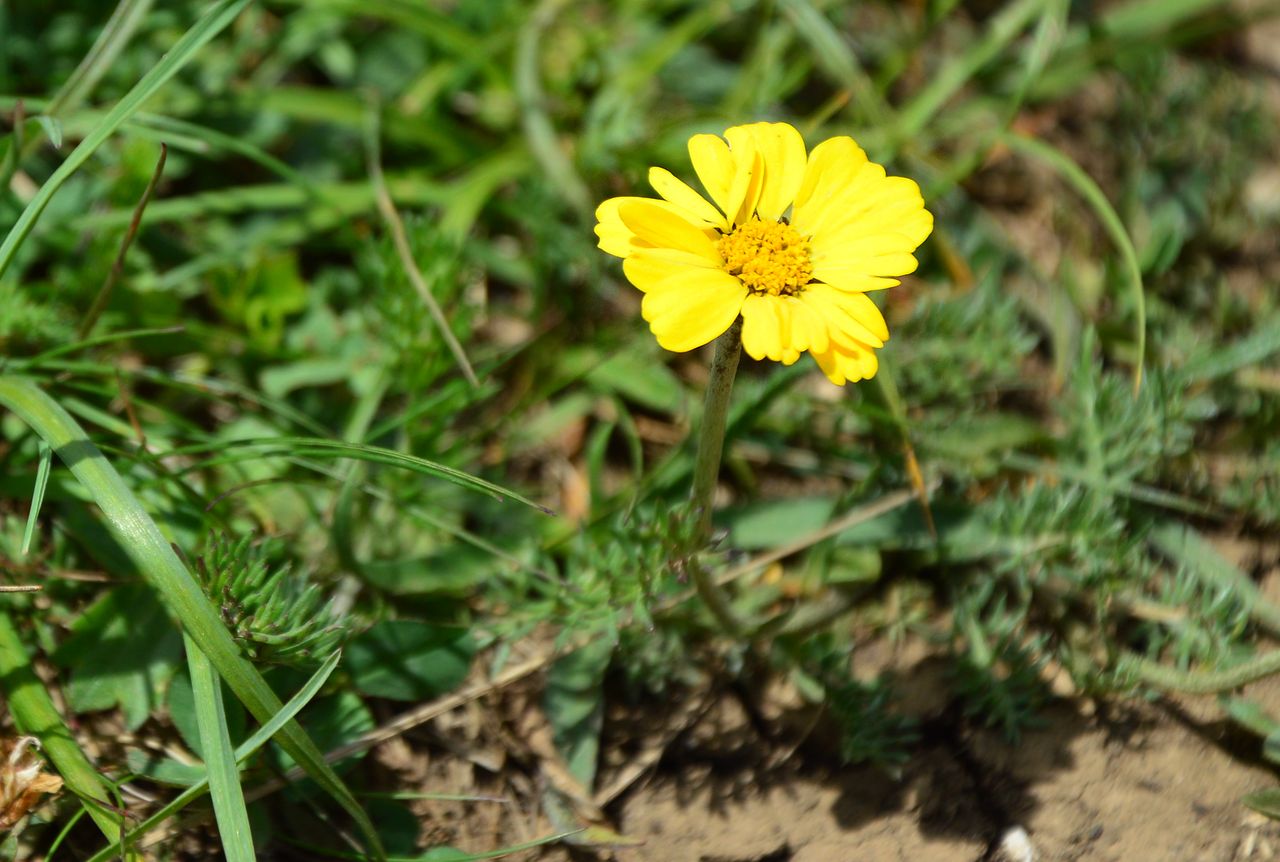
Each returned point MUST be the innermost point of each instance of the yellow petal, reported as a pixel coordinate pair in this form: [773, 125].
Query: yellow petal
[851, 278]
[615, 237]
[855, 245]
[782, 150]
[847, 362]
[715, 167]
[655, 222]
[617, 241]
[852, 270]
[692, 308]
[833, 166]
[809, 331]
[860, 307]
[747, 182]
[648, 267]
[763, 326]
[679, 194]
[852, 314]
[882, 205]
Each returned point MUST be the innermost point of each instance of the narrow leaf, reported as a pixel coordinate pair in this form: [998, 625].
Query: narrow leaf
[37, 496]
[246, 750]
[223, 771]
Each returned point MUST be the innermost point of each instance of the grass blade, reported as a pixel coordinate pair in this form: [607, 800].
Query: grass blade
[114, 36]
[213, 21]
[1097, 200]
[244, 751]
[37, 496]
[223, 771]
[538, 130]
[395, 224]
[151, 552]
[319, 447]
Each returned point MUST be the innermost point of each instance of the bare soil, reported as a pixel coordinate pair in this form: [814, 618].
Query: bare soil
[748, 772]
[1143, 782]
[741, 776]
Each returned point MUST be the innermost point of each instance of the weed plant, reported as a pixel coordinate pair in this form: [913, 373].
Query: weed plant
[1079, 400]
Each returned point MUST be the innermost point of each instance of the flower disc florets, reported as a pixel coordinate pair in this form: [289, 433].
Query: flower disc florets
[767, 256]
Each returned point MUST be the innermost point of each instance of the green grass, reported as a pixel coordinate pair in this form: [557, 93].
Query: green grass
[364, 381]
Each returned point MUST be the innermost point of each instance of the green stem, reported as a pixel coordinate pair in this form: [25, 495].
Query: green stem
[34, 713]
[1157, 675]
[706, 469]
[715, 414]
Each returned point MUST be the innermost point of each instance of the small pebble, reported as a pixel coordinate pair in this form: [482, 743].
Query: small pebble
[1015, 846]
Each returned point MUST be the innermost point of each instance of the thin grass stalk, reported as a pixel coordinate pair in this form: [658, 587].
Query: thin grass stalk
[1093, 195]
[117, 267]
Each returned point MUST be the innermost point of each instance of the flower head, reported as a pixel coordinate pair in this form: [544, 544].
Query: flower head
[791, 241]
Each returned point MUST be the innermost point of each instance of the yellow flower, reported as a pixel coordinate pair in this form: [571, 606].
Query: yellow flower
[790, 241]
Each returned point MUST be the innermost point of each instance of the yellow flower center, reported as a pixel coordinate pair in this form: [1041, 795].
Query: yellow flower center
[767, 256]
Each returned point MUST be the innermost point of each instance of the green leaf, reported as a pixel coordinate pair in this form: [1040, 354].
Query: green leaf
[52, 128]
[775, 523]
[166, 770]
[398, 824]
[1249, 714]
[1094, 196]
[37, 496]
[33, 712]
[410, 659]
[454, 571]
[642, 378]
[574, 704]
[122, 653]
[1185, 545]
[1218, 360]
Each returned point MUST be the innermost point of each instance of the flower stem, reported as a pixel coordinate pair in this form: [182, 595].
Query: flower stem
[715, 413]
[706, 469]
